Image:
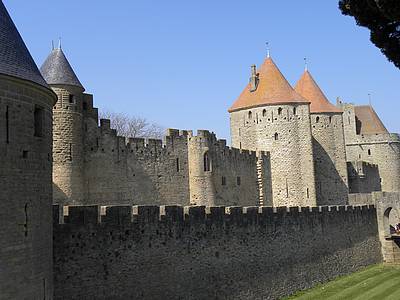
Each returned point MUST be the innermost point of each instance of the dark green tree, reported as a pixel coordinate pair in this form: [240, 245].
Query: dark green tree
[382, 18]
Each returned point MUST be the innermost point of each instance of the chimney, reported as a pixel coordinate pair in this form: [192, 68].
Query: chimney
[253, 79]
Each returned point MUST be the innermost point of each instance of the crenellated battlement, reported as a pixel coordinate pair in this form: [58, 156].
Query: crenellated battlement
[83, 215]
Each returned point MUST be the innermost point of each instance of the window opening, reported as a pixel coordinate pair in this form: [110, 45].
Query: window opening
[38, 121]
[207, 163]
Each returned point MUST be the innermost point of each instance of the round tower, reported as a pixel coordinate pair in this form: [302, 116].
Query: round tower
[369, 140]
[328, 144]
[26, 103]
[201, 184]
[270, 116]
[67, 129]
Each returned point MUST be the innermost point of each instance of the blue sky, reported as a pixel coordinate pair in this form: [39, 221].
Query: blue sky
[183, 63]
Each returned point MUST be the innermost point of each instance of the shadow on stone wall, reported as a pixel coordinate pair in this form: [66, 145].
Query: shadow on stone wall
[329, 185]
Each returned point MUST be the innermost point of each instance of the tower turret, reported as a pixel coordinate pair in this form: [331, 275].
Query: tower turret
[26, 104]
[328, 144]
[67, 128]
[271, 116]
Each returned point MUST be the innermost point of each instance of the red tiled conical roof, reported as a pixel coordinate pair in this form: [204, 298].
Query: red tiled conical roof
[273, 88]
[309, 89]
[368, 121]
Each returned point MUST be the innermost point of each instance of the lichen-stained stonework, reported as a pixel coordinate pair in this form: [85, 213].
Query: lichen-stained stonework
[285, 132]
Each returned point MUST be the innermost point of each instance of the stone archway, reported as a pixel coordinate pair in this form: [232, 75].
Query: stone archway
[388, 215]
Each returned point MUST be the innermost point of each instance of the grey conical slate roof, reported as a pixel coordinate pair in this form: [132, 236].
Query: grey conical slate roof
[15, 59]
[57, 70]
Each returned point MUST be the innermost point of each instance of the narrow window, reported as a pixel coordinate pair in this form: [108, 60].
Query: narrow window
[294, 110]
[238, 180]
[308, 193]
[71, 99]
[70, 151]
[287, 189]
[24, 154]
[317, 119]
[38, 121]
[330, 119]
[264, 113]
[250, 114]
[240, 145]
[26, 220]
[7, 126]
[276, 136]
[177, 164]
[207, 164]
[369, 151]
[279, 110]
[223, 182]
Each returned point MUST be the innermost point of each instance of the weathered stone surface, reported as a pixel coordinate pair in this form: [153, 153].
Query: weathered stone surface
[251, 253]
[285, 132]
[25, 190]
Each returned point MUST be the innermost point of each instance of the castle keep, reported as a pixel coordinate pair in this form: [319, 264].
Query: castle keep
[306, 192]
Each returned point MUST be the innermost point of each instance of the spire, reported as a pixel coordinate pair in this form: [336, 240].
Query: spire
[15, 59]
[272, 89]
[56, 70]
[309, 89]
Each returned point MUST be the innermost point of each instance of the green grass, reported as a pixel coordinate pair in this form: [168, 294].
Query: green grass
[377, 282]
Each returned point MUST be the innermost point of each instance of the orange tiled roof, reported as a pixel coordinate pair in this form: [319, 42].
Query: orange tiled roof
[272, 88]
[368, 121]
[309, 89]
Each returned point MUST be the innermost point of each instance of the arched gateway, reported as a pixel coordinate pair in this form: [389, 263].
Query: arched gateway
[388, 213]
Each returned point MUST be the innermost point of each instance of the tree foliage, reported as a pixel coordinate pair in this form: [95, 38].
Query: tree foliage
[132, 126]
[382, 18]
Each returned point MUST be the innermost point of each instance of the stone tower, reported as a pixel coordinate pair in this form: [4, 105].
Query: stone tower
[367, 139]
[68, 156]
[202, 189]
[270, 116]
[328, 144]
[25, 171]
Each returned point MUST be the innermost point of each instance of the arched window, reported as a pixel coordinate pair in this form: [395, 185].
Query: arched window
[207, 163]
[279, 110]
[330, 119]
[317, 119]
[294, 110]
[276, 136]
[264, 112]
[250, 114]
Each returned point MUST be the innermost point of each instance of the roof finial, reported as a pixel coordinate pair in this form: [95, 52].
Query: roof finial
[305, 64]
[268, 54]
[52, 44]
[59, 43]
[369, 99]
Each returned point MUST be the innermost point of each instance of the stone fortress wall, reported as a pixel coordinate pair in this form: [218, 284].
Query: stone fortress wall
[197, 252]
[363, 177]
[381, 149]
[329, 152]
[98, 167]
[284, 132]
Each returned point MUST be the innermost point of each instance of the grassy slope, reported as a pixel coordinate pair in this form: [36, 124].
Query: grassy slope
[376, 282]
